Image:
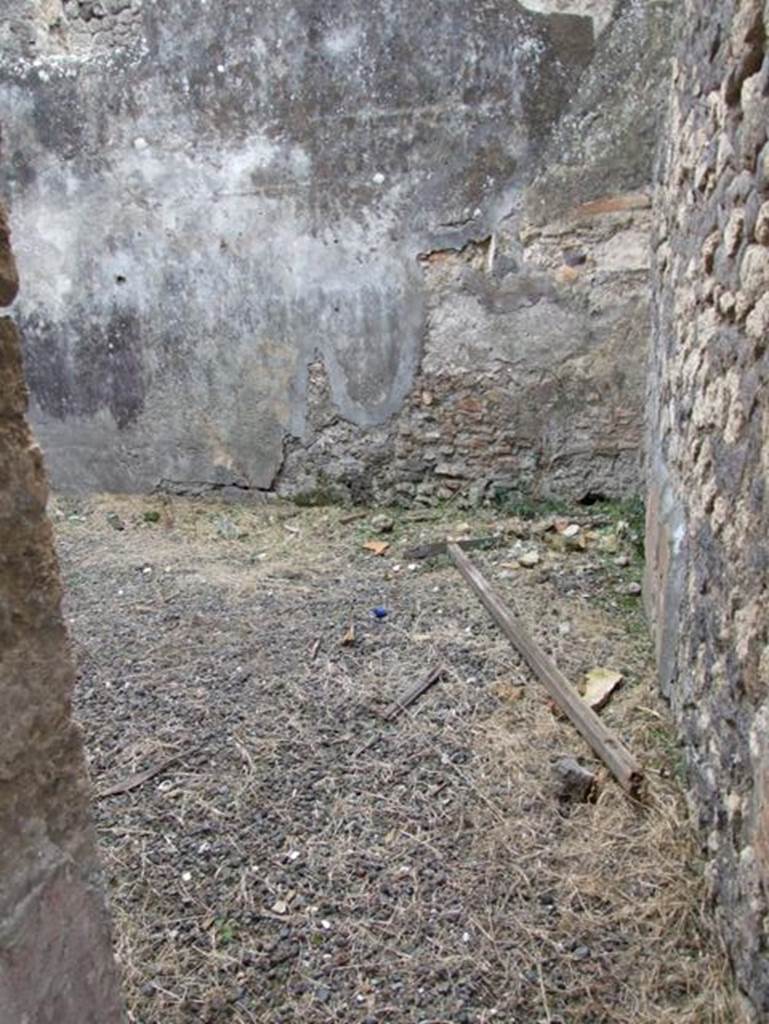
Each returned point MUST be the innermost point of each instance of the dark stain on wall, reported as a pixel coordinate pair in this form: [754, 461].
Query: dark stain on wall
[104, 372]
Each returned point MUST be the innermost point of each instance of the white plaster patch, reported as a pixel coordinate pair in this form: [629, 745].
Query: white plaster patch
[258, 153]
[625, 251]
[342, 41]
[601, 11]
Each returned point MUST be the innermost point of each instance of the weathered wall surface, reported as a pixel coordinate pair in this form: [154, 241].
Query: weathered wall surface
[219, 202]
[56, 963]
[709, 453]
[533, 366]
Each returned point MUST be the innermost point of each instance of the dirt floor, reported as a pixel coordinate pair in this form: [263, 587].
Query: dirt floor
[295, 858]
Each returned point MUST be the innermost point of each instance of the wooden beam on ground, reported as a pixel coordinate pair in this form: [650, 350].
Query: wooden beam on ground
[414, 693]
[606, 745]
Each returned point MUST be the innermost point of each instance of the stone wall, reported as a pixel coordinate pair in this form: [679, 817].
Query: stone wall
[48, 28]
[56, 963]
[708, 517]
[219, 205]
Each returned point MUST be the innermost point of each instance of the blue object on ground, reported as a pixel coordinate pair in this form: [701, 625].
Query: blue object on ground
[380, 613]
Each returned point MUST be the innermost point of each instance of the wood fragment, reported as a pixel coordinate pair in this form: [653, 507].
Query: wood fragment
[368, 745]
[414, 693]
[440, 547]
[315, 648]
[351, 517]
[437, 790]
[606, 745]
[139, 778]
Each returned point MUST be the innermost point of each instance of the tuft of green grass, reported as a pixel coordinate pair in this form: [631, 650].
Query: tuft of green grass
[527, 507]
[226, 931]
[628, 510]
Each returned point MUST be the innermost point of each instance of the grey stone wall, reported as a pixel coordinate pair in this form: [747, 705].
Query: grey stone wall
[709, 454]
[214, 201]
[56, 964]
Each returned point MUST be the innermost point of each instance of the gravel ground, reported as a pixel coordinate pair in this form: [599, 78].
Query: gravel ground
[295, 858]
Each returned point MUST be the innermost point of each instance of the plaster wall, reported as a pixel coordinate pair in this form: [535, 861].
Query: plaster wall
[211, 200]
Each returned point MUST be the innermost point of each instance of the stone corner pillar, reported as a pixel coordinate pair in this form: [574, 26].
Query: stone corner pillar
[56, 961]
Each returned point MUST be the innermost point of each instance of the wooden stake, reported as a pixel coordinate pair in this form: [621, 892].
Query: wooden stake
[605, 744]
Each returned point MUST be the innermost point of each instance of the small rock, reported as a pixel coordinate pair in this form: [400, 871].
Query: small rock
[542, 526]
[226, 528]
[517, 527]
[633, 589]
[582, 953]
[574, 538]
[529, 559]
[574, 784]
[600, 684]
[622, 560]
[382, 523]
[555, 541]
[457, 470]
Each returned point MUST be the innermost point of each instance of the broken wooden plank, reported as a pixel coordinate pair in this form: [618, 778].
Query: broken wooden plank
[606, 745]
[440, 547]
[414, 693]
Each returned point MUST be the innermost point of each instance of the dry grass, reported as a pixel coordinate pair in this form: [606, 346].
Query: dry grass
[279, 873]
